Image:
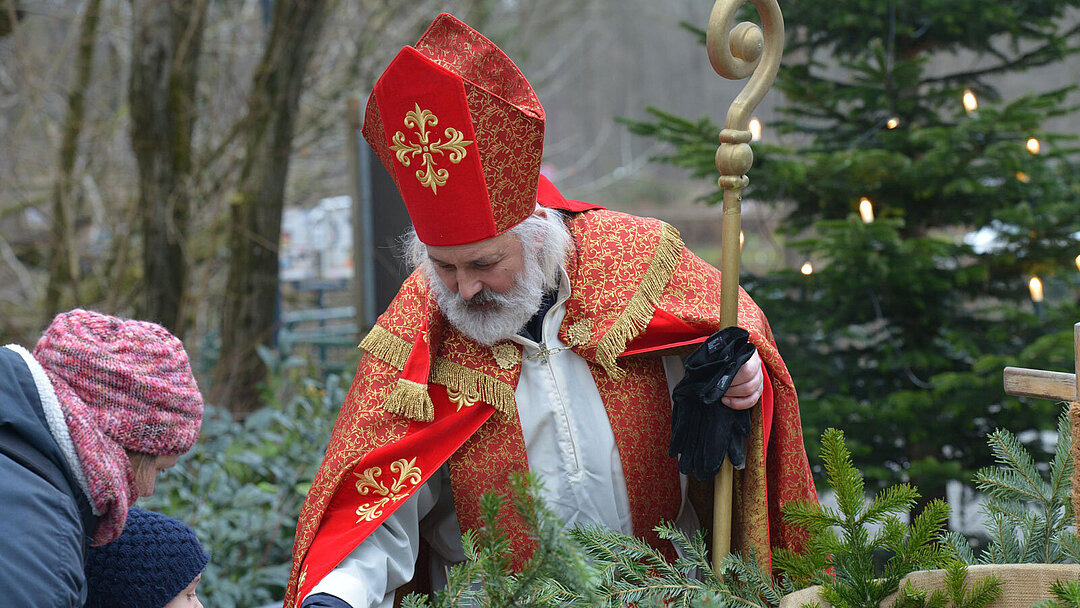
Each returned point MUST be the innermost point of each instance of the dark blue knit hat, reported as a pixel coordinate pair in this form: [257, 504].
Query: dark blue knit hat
[154, 559]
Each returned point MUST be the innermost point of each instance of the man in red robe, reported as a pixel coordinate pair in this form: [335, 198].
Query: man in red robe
[521, 342]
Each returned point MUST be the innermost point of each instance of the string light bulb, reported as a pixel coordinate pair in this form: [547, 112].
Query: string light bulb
[807, 268]
[970, 102]
[1036, 288]
[742, 239]
[892, 123]
[1023, 177]
[866, 210]
[755, 129]
[1033, 145]
[1078, 262]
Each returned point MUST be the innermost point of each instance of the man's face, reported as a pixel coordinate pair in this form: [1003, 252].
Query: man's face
[489, 289]
[493, 264]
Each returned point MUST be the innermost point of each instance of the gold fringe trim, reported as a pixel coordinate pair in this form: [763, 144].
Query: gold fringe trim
[457, 377]
[386, 347]
[411, 400]
[639, 311]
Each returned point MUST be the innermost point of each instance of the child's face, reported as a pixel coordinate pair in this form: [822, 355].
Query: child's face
[187, 597]
[145, 476]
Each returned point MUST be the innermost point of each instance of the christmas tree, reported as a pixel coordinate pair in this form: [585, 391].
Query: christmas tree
[926, 205]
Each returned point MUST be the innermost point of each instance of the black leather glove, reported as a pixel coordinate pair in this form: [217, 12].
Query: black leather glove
[703, 430]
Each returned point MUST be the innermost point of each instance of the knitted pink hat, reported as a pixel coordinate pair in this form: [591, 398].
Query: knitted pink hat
[122, 385]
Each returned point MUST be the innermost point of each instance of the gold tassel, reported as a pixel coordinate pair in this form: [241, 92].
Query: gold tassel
[455, 376]
[411, 400]
[639, 311]
[386, 347]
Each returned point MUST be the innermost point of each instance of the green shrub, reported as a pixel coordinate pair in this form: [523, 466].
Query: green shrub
[242, 486]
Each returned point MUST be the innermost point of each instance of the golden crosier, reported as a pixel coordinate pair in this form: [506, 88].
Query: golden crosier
[736, 53]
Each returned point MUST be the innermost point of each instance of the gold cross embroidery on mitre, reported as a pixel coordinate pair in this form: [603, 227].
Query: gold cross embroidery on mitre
[454, 147]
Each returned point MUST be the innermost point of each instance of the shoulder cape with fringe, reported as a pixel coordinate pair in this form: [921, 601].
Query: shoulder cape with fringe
[424, 394]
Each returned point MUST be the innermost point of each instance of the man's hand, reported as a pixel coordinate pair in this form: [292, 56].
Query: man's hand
[710, 419]
[745, 389]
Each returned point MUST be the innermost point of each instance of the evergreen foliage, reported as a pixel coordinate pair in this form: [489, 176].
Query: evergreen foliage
[1066, 594]
[592, 566]
[1029, 512]
[956, 594]
[903, 327]
[840, 553]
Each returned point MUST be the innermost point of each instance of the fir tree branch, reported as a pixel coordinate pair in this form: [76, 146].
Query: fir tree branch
[1038, 56]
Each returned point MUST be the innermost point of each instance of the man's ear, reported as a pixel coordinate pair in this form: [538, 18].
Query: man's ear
[541, 213]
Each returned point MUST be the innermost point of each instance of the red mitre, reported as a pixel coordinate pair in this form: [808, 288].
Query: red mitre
[461, 131]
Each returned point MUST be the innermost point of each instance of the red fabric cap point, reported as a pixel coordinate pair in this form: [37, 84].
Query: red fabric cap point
[461, 132]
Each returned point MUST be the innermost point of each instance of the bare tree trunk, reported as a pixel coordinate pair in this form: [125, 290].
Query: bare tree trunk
[255, 212]
[62, 288]
[165, 48]
[9, 15]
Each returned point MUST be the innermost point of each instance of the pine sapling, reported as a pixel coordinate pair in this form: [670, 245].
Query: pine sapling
[840, 554]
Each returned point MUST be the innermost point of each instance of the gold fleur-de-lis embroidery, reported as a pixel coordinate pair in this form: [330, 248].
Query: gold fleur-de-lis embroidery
[454, 147]
[303, 575]
[371, 482]
[466, 397]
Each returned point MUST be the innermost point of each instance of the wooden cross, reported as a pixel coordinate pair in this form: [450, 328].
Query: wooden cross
[1058, 386]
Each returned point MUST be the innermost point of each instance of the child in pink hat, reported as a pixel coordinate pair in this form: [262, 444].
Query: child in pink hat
[86, 422]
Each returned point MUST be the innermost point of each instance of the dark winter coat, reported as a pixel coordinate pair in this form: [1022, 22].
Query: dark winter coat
[45, 517]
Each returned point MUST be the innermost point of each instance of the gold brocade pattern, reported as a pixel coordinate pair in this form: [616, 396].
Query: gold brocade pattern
[580, 332]
[463, 365]
[484, 463]
[639, 409]
[407, 314]
[621, 267]
[410, 310]
[750, 513]
[464, 51]
[510, 145]
[375, 136]
[371, 482]
[507, 355]
[454, 147]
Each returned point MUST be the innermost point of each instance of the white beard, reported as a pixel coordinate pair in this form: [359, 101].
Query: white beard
[489, 317]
